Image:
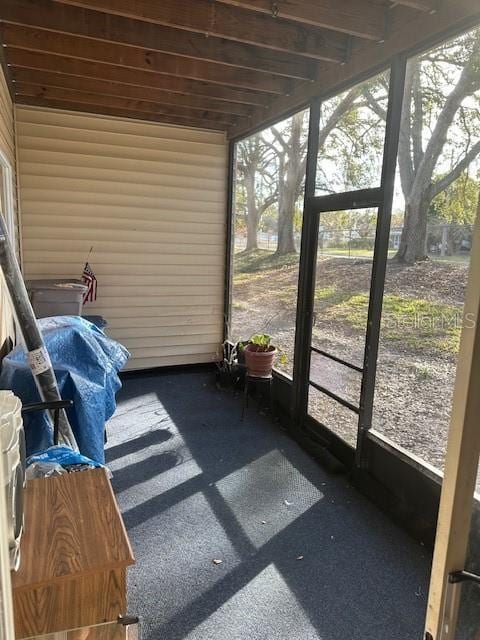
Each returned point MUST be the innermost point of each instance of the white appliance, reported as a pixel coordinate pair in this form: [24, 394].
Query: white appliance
[12, 449]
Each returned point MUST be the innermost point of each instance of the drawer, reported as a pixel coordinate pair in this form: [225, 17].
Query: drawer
[127, 628]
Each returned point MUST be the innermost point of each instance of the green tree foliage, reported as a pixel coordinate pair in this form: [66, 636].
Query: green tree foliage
[457, 204]
[352, 134]
[439, 141]
[440, 137]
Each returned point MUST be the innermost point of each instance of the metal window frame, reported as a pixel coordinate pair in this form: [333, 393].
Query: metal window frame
[314, 107]
[330, 356]
[381, 198]
[229, 238]
[331, 394]
[306, 277]
[379, 267]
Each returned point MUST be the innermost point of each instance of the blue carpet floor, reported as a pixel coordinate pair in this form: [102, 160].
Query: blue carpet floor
[303, 555]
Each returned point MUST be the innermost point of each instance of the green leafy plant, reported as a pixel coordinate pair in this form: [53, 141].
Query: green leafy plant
[262, 341]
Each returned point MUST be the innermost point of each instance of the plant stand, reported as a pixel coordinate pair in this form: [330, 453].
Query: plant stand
[256, 380]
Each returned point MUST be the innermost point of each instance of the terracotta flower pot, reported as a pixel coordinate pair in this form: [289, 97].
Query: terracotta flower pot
[259, 363]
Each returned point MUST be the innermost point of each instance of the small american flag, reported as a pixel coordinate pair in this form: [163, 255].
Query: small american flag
[88, 278]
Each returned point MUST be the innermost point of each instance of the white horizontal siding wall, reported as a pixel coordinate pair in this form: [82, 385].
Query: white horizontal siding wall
[150, 200]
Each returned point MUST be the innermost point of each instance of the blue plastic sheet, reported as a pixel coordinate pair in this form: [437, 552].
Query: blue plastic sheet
[86, 363]
[63, 456]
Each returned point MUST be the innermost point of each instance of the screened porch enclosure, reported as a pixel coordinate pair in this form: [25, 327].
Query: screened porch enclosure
[305, 170]
[366, 305]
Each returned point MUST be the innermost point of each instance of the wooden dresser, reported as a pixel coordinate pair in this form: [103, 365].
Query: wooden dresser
[74, 555]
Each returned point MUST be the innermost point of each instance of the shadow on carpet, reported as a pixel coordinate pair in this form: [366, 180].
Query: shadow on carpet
[239, 535]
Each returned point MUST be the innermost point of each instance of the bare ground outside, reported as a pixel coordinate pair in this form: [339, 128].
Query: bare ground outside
[419, 342]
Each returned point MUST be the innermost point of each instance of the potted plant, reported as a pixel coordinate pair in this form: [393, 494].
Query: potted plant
[260, 356]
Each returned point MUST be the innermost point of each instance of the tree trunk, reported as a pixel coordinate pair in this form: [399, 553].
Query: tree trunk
[288, 179]
[252, 212]
[286, 214]
[413, 243]
[417, 172]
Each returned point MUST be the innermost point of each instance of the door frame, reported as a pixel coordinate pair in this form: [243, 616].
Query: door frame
[461, 466]
[381, 198]
[6, 177]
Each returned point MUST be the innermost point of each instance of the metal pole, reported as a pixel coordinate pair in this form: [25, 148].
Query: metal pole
[38, 357]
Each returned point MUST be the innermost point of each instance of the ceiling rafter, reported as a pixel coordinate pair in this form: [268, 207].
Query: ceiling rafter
[82, 48]
[361, 18]
[32, 60]
[72, 20]
[93, 99]
[232, 65]
[103, 87]
[119, 112]
[213, 19]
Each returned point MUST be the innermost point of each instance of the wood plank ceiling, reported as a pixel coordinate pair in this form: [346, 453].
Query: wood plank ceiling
[220, 64]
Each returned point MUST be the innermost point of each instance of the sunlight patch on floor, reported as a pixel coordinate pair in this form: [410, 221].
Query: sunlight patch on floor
[160, 483]
[275, 613]
[137, 406]
[187, 539]
[267, 495]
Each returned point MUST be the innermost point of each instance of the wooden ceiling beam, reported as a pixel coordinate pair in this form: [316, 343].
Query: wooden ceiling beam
[361, 18]
[231, 23]
[124, 56]
[102, 87]
[32, 60]
[45, 14]
[118, 112]
[112, 102]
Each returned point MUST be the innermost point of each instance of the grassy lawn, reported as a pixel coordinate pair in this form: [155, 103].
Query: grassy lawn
[419, 324]
[428, 327]
[261, 260]
[352, 253]
[459, 259]
[366, 253]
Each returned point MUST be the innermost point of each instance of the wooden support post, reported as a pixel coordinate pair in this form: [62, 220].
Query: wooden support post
[461, 463]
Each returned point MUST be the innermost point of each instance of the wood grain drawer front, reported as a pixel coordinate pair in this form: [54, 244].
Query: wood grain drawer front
[75, 552]
[73, 528]
[125, 630]
[84, 601]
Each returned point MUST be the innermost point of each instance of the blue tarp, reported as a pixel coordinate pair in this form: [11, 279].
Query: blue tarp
[61, 455]
[86, 364]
